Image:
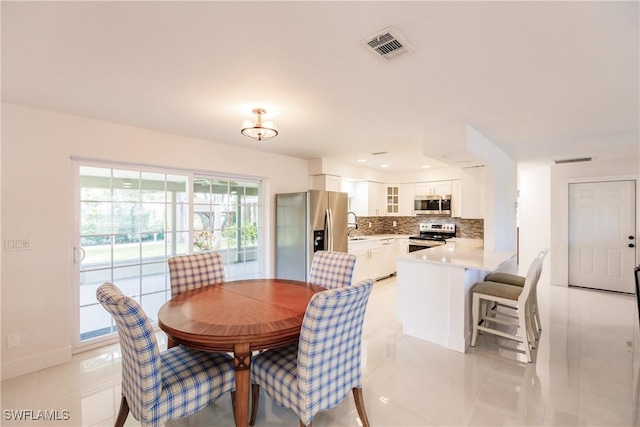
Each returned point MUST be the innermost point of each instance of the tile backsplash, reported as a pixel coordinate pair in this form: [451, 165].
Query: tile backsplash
[467, 228]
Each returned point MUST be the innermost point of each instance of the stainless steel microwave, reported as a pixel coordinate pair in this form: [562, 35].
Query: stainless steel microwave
[426, 205]
[432, 205]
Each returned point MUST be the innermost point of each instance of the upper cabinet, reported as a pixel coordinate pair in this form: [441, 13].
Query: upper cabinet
[370, 198]
[376, 199]
[433, 188]
[407, 193]
[392, 199]
[456, 198]
[326, 182]
[472, 193]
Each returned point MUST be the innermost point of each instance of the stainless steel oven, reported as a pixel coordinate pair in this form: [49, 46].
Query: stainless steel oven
[432, 234]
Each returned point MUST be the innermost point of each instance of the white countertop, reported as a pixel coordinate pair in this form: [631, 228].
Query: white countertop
[460, 252]
[378, 237]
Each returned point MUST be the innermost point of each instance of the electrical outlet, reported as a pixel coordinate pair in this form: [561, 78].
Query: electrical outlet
[395, 223]
[369, 224]
[13, 341]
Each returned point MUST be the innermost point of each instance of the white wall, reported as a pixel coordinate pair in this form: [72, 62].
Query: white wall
[560, 178]
[534, 216]
[37, 203]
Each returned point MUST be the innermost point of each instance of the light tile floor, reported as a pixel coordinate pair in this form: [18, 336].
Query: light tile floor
[585, 373]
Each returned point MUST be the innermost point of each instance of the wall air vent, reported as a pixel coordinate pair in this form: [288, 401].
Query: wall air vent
[573, 160]
[387, 44]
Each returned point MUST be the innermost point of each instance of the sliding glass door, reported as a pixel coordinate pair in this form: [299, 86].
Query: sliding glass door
[130, 221]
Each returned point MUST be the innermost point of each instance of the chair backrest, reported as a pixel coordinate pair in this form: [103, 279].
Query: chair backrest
[332, 269]
[141, 380]
[533, 275]
[193, 271]
[329, 347]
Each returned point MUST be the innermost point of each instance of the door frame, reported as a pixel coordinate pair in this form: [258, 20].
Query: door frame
[562, 255]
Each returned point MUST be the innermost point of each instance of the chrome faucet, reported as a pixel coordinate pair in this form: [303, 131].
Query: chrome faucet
[352, 225]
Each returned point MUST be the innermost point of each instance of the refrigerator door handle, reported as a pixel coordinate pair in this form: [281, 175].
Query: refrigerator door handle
[329, 230]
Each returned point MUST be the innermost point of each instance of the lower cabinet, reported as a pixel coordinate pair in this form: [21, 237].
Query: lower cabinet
[402, 246]
[375, 259]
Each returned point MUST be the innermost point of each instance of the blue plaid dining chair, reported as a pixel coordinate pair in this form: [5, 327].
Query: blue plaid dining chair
[193, 271]
[157, 387]
[332, 269]
[318, 372]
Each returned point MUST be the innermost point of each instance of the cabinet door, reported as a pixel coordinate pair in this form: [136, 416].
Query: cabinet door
[392, 200]
[407, 194]
[423, 189]
[361, 269]
[472, 193]
[370, 198]
[433, 188]
[361, 199]
[377, 199]
[441, 188]
[456, 195]
[376, 263]
[402, 246]
[333, 183]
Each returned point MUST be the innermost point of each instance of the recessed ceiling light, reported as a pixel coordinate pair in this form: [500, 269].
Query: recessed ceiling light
[384, 166]
[426, 166]
[361, 160]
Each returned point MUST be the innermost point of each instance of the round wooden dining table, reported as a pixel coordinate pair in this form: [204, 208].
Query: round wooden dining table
[239, 317]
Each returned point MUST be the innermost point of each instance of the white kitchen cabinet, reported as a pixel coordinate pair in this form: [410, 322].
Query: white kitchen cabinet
[326, 182]
[433, 188]
[456, 198]
[392, 200]
[472, 190]
[376, 263]
[361, 268]
[370, 199]
[407, 194]
[372, 259]
[402, 245]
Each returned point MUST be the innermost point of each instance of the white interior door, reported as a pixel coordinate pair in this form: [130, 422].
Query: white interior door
[602, 235]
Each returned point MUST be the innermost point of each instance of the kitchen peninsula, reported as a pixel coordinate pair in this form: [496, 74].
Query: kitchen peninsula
[433, 285]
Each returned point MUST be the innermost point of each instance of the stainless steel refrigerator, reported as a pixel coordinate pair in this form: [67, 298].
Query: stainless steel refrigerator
[306, 223]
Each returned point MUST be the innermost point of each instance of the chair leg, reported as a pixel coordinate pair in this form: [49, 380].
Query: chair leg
[233, 406]
[255, 395]
[171, 343]
[302, 424]
[523, 331]
[122, 413]
[359, 399]
[536, 313]
[475, 312]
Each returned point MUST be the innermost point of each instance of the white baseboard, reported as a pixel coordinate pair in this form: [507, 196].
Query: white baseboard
[35, 363]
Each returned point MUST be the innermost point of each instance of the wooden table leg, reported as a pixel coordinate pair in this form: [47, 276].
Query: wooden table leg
[242, 365]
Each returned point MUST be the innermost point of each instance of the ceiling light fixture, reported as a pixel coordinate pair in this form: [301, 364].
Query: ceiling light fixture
[258, 130]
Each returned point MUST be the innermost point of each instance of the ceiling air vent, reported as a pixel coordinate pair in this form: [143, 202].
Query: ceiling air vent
[387, 45]
[573, 160]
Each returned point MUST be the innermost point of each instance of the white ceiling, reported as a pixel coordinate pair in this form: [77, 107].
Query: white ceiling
[541, 80]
